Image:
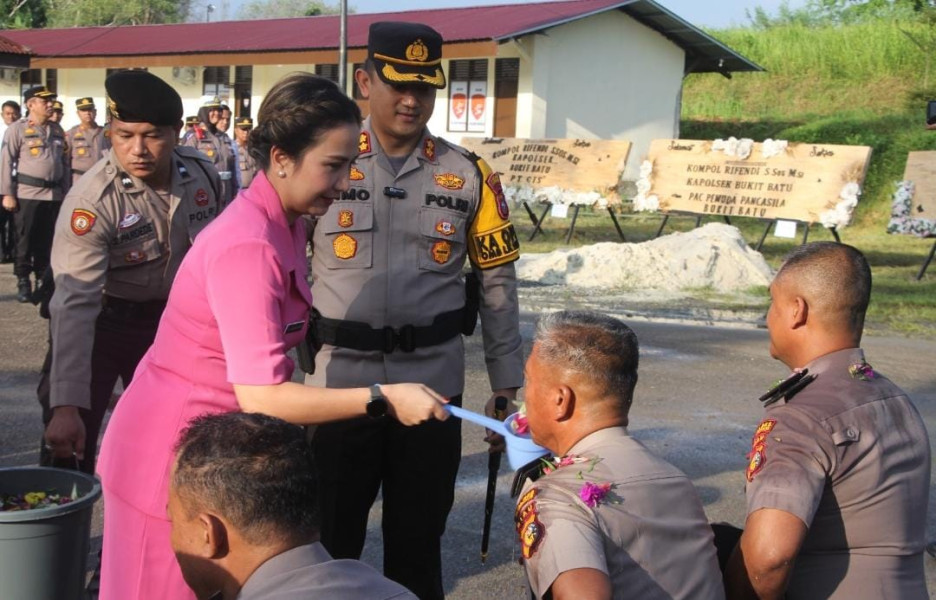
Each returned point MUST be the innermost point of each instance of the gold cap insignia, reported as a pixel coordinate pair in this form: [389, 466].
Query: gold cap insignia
[112, 107]
[417, 51]
[449, 181]
[441, 252]
[345, 246]
[346, 218]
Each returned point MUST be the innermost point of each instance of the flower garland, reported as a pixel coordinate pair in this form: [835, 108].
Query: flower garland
[862, 371]
[771, 148]
[517, 195]
[740, 149]
[519, 424]
[592, 494]
[840, 215]
[902, 220]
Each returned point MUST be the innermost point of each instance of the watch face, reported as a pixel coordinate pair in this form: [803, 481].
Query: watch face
[377, 407]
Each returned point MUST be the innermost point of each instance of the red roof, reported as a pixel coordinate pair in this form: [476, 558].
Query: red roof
[8, 46]
[298, 34]
[492, 23]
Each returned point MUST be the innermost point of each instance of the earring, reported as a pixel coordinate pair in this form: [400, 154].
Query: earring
[281, 173]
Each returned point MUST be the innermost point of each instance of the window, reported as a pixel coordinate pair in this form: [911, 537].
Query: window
[468, 105]
[217, 82]
[329, 72]
[30, 78]
[51, 80]
[243, 83]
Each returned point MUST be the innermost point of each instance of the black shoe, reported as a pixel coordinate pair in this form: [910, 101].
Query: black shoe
[7, 258]
[24, 290]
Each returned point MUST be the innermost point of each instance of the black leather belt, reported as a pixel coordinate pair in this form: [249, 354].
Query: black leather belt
[128, 309]
[36, 182]
[361, 336]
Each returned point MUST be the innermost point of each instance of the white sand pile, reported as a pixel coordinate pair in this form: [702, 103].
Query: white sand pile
[715, 256]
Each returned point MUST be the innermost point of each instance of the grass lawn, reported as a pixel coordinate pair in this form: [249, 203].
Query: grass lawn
[899, 304]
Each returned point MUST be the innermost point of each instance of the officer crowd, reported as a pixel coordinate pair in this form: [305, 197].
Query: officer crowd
[838, 471]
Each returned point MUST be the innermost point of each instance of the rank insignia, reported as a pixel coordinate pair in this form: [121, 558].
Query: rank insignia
[29, 131]
[82, 221]
[345, 218]
[345, 246]
[82, 151]
[364, 146]
[356, 174]
[201, 197]
[441, 252]
[758, 455]
[429, 149]
[449, 181]
[135, 256]
[445, 228]
[209, 153]
[129, 220]
[34, 151]
[493, 182]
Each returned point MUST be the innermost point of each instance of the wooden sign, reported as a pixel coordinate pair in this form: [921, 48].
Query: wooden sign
[921, 170]
[741, 178]
[575, 165]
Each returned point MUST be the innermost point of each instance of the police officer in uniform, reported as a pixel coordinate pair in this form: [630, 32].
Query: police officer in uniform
[217, 146]
[606, 519]
[839, 469]
[86, 141]
[246, 164]
[34, 177]
[387, 270]
[10, 112]
[190, 123]
[58, 111]
[119, 240]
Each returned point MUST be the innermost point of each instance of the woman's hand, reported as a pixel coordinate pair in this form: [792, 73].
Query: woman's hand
[414, 403]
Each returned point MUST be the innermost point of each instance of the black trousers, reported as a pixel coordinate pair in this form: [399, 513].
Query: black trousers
[35, 224]
[121, 338]
[416, 466]
[7, 232]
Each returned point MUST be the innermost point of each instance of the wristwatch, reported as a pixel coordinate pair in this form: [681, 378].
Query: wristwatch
[377, 405]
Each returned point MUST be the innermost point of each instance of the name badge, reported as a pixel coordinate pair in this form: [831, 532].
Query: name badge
[294, 327]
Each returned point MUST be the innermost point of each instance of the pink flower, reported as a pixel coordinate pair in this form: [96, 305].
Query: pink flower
[520, 424]
[593, 493]
[862, 371]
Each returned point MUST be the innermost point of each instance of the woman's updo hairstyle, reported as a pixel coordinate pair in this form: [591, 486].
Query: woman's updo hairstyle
[295, 114]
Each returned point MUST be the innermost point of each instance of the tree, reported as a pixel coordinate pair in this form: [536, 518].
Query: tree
[83, 13]
[833, 12]
[22, 14]
[284, 9]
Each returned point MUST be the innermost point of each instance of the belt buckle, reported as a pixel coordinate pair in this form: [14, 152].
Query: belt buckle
[389, 339]
[405, 338]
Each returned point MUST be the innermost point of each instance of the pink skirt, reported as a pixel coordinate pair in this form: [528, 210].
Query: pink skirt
[137, 561]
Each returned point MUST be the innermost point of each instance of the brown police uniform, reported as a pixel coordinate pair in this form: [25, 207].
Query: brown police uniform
[647, 533]
[34, 168]
[217, 147]
[388, 258]
[118, 245]
[849, 456]
[86, 145]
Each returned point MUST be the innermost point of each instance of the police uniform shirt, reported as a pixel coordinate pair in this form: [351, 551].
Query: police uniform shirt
[37, 151]
[849, 456]
[246, 165]
[647, 533]
[86, 145]
[217, 147]
[310, 572]
[391, 253]
[117, 236]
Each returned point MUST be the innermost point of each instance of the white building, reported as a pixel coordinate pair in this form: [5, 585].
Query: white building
[591, 69]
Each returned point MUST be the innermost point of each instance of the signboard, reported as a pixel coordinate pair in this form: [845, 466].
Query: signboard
[741, 178]
[458, 106]
[574, 165]
[477, 106]
[913, 209]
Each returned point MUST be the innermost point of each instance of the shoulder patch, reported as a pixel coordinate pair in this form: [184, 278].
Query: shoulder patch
[82, 220]
[529, 528]
[493, 182]
[757, 457]
[495, 247]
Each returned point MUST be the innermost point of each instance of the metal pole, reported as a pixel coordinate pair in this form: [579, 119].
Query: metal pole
[343, 48]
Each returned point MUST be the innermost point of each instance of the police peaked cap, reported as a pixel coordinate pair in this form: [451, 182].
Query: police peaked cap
[244, 123]
[141, 97]
[84, 103]
[57, 105]
[40, 91]
[191, 120]
[405, 53]
[213, 103]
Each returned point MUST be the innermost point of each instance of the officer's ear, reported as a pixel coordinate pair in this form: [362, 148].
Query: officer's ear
[363, 79]
[799, 312]
[563, 402]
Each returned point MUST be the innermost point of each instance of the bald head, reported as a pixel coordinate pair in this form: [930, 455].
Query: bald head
[835, 281]
[597, 348]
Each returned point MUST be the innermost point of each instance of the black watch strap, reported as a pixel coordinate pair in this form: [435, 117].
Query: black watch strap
[377, 405]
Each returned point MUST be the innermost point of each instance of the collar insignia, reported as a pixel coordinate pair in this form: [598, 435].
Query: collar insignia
[429, 149]
[364, 145]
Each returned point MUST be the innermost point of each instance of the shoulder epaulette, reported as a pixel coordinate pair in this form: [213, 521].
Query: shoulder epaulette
[189, 152]
[533, 470]
[788, 388]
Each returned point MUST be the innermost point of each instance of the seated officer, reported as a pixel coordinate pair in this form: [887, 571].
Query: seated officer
[608, 519]
[240, 501]
[839, 472]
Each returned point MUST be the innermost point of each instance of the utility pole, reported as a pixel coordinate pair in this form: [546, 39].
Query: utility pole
[343, 48]
[208, 10]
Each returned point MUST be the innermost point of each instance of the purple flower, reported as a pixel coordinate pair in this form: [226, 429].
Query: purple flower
[862, 371]
[593, 493]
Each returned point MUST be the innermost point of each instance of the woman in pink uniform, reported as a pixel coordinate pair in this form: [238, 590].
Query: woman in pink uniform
[239, 302]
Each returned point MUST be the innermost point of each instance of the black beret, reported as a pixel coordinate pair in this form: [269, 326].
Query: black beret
[141, 97]
[85, 103]
[406, 53]
[40, 91]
